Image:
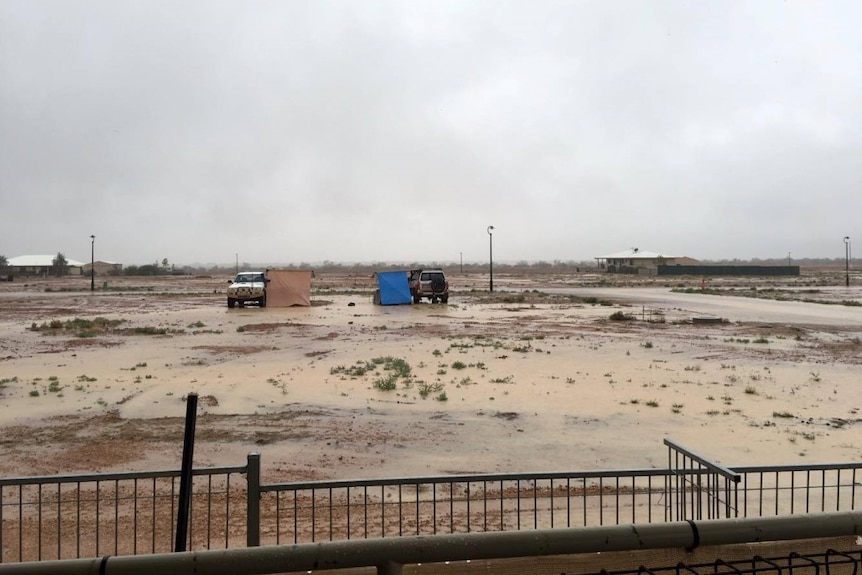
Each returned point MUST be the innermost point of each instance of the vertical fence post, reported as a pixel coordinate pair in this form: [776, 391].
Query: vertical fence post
[253, 500]
[185, 499]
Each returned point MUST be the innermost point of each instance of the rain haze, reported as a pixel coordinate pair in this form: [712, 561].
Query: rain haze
[287, 131]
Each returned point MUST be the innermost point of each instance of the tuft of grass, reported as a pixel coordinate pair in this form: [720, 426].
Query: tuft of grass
[751, 390]
[151, 330]
[426, 389]
[783, 414]
[396, 364]
[387, 383]
[7, 380]
[358, 369]
[458, 365]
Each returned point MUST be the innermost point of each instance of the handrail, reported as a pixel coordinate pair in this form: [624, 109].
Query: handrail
[712, 466]
[389, 555]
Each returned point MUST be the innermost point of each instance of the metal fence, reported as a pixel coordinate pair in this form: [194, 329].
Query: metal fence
[703, 489]
[335, 510]
[134, 513]
[117, 513]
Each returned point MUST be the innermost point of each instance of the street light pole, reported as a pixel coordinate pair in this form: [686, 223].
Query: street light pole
[847, 261]
[491, 257]
[92, 263]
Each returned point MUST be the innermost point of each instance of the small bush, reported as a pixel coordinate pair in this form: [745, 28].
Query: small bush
[620, 316]
[150, 330]
[387, 383]
[426, 389]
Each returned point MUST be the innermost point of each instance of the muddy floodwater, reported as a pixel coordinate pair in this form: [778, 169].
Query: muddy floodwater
[536, 376]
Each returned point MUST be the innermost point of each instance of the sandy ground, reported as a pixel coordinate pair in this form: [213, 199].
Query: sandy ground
[526, 379]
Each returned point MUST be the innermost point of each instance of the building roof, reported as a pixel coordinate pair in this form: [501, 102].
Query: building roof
[635, 254]
[40, 261]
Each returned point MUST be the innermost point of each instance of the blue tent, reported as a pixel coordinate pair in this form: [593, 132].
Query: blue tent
[394, 289]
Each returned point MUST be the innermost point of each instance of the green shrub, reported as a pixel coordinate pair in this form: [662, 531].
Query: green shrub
[387, 383]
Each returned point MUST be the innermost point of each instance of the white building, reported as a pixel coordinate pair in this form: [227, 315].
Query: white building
[40, 266]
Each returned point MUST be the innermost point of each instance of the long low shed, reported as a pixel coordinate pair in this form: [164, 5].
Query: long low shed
[727, 270]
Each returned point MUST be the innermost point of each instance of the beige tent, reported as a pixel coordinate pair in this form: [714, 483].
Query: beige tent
[288, 287]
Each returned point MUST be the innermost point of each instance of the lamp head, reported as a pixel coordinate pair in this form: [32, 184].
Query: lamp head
[490, 229]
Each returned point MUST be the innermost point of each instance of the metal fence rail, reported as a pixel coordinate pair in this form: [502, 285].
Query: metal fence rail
[116, 513]
[704, 489]
[793, 489]
[333, 510]
[134, 513]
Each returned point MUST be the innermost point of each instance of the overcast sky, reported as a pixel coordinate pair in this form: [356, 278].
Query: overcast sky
[287, 131]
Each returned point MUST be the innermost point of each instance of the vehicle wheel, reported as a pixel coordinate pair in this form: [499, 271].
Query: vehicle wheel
[433, 299]
[231, 302]
[445, 298]
[241, 303]
[261, 302]
[417, 298]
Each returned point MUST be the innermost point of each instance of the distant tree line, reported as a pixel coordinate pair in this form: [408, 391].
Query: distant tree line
[60, 266]
[163, 268]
